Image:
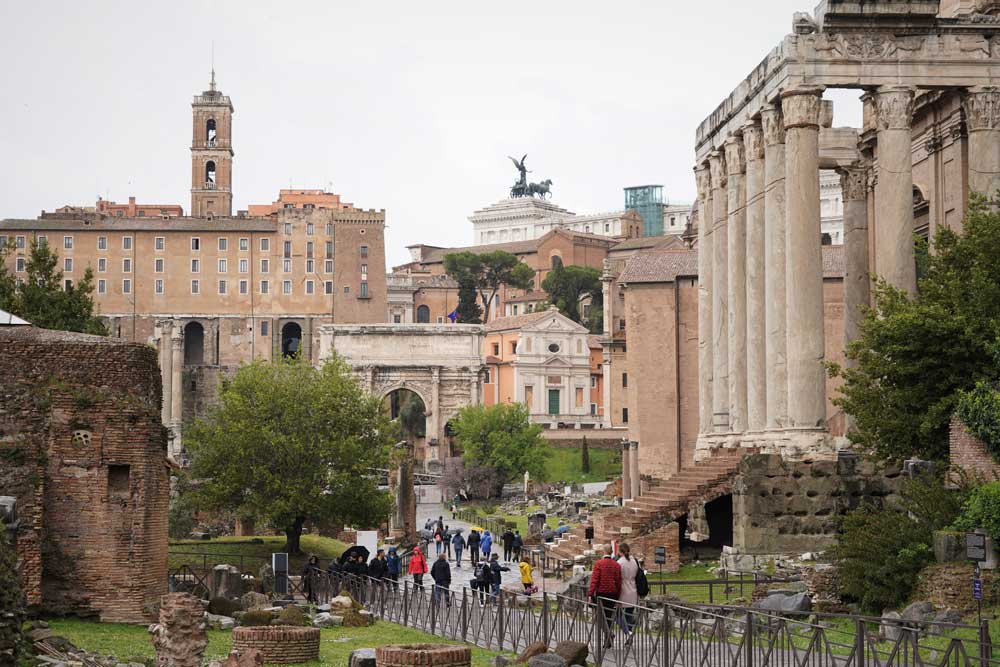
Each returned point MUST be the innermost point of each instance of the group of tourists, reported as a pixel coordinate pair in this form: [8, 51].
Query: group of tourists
[616, 586]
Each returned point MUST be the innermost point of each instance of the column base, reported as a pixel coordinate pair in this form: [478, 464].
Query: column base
[792, 444]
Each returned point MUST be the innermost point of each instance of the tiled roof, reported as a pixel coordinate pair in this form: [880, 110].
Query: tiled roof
[647, 242]
[115, 224]
[659, 266]
[594, 342]
[532, 296]
[515, 321]
[434, 255]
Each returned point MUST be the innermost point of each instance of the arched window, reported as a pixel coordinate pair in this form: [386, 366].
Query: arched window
[423, 315]
[291, 338]
[210, 174]
[210, 131]
[194, 343]
[556, 262]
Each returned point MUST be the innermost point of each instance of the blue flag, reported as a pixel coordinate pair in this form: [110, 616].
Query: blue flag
[453, 316]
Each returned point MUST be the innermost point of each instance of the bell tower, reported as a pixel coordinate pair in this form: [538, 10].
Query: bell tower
[212, 154]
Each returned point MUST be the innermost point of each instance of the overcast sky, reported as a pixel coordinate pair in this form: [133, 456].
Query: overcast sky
[407, 106]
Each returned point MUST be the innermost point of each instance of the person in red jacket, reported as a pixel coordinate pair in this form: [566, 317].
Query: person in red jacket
[606, 586]
[418, 567]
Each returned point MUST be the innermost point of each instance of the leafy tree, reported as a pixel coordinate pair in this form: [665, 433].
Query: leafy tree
[412, 415]
[501, 437]
[469, 311]
[486, 272]
[289, 443]
[42, 300]
[565, 286]
[915, 355]
[982, 510]
[979, 410]
[585, 456]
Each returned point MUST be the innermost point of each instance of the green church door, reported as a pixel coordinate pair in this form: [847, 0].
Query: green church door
[553, 401]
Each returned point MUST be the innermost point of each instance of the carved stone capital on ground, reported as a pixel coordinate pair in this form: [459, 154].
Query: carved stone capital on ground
[717, 162]
[894, 108]
[736, 162]
[773, 124]
[753, 141]
[982, 109]
[854, 182]
[801, 107]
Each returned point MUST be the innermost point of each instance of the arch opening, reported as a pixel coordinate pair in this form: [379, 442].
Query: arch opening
[408, 408]
[423, 314]
[291, 339]
[210, 131]
[194, 343]
[210, 174]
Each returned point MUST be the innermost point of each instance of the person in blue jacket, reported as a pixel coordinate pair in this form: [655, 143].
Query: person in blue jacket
[392, 566]
[486, 544]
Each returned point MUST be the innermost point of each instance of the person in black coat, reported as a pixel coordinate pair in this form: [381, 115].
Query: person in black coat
[441, 574]
[508, 544]
[309, 573]
[473, 544]
[517, 545]
[495, 569]
[378, 568]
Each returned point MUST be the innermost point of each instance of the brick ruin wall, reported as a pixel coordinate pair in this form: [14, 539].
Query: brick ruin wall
[80, 424]
[279, 644]
[969, 453]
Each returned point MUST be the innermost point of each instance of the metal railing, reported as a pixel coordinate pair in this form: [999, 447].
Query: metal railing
[673, 636]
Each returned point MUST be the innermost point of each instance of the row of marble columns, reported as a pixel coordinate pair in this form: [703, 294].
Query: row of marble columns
[760, 309]
[630, 470]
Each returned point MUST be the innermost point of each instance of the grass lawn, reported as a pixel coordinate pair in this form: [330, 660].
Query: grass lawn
[132, 641]
[254, 550]
[563, 465]
[699, 594]
[520, 520]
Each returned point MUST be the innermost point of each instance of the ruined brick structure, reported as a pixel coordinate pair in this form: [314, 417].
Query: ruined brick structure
[83, 450]
[969, 453]
[279, 644]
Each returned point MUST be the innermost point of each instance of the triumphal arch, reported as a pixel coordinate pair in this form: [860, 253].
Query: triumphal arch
[441, 364]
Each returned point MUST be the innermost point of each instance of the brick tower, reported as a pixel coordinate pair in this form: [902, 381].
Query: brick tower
[212, 154]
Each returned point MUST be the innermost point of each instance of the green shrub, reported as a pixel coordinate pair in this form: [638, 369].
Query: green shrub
[979, 410]
[291, 615]
[982, 510]
[256, 617]
[182, 517]
[927, 500]
[879, 555]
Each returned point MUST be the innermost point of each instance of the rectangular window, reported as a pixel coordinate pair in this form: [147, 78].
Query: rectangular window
[309, 249]
[347, 289]
[328, 287]
[286, 265]
[19, 264]
[579, 397]
[328, 266]
[624, 415]
[329, 229]
[513, 347]
[223, 243]
[19, 242]
[265, 266]
[621, 324]
[243, 287]
[159, 243]
[265, 245]
[486, 375]
[310, 266]
[396, 319]
[593, 382]
[309, 229]
[126, 286]
[158, 285]
[68, 242]
[496, 349]
[158, 265]
[624, 379]
[102, 265]
[68, 265]
[195, 287]
[42, 241]
[529, 395]
[118, 481]
[329, 249]
[263, 328]
[126, 243]
[3, 241]
[364, 291]
[288, 228]
[244, 266]
[195, 243]
[223, 266]
[364, 251]
[222, 287]
[244, 243]
[195, 266]
[264, 287]
[127, 265]
[593, 409]
[102, 286]
[286, 249]
[286, 287]
[364, 269]
[310, 287]
[102, 242]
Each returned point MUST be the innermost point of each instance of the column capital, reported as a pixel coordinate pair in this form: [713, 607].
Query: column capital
[753, 140]
[717, 161]
[773, 124]
[736, 162]
[894, 107]
[703, 177]
[801, 106]
[982, 108]
[854, 182]
[635, 444]
[625, 444]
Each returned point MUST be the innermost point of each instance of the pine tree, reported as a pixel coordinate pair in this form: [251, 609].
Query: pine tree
[585, 456]
[469, 311]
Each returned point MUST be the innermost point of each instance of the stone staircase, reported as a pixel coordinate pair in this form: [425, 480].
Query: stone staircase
[660, 504]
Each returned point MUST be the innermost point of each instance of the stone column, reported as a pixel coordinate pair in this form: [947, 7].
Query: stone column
[737, 271]
[982, 118]
[166, 370]
[720, 295]
[704, 180]
[753, 142]
[436, 424]
[894, 260]
[636, 477]
[626, 471]
[775, 371]
[176, 368]
[804, 259]
[854, 182]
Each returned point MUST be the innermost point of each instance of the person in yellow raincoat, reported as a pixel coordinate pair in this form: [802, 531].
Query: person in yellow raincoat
[526, 579]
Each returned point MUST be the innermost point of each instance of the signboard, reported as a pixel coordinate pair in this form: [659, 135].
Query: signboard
[661, 555]
[369, 540]
[977, 589]
[975, 546]
[279, 563]
[588, 532]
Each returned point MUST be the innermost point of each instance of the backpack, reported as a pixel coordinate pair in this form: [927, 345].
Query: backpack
[482, 572]
[641, 583]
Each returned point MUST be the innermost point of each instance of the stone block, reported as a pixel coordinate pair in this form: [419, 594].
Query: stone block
[531, 650]
[781, 603]
[548, 660]
[361, 657]
[575, 653]
[948, 546]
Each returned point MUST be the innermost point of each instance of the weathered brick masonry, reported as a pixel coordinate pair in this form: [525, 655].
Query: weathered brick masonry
[83, 451]
[279, 644]
[969, 453]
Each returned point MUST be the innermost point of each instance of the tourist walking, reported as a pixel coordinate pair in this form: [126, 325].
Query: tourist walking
[393, 565]
[378, 567]
[446, 538]
[481, 579]
[418, 567]
[526, 576]
[486, 545]
[454, 511]
[441, 574]
[495, 576]
[458, 544]
[605, 587]
[508, 544]
[629, 596]
[438, 539]
[517, 544]
[309, 572]
[473, 544]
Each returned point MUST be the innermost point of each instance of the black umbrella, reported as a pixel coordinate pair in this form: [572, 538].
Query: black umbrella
[455, 531]
[354, 552]
[426, 534]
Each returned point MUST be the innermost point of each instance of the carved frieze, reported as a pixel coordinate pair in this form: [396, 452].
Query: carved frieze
[773, 125]
[894, 108]
[868, 46]
[982, 109]
[801, 107]
[753, 141]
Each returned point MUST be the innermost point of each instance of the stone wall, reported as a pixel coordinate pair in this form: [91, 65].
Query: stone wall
[279, 644]
[969, 453]
[792, 507]
[80, 421]
[645, 545]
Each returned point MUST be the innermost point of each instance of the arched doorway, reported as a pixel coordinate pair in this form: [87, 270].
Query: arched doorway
[194, 343]
[423, 315]
[291, 339]
[408, 407]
